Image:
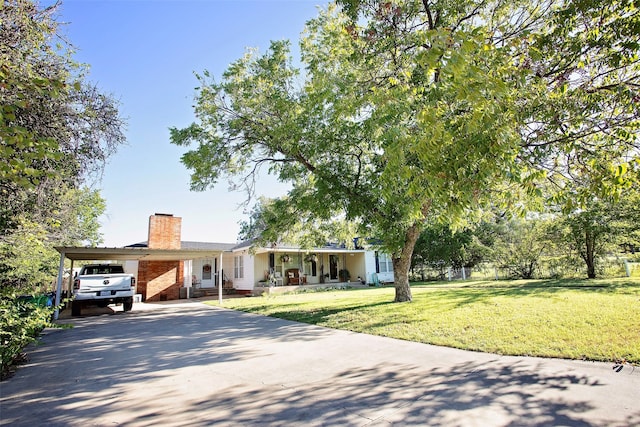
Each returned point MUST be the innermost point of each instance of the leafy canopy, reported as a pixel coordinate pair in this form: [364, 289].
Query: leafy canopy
[56, 132]
[56, 129]
[408, 111]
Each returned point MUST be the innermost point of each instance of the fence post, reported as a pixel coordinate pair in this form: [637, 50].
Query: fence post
[627, 269]
[496, 271]
[449, 272]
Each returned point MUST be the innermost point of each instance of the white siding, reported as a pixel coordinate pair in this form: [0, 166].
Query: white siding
[248, 264]
[370, 262]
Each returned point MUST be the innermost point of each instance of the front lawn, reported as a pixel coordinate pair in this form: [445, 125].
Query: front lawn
[575, 319]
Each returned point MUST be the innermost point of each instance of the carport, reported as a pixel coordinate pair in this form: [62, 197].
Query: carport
[132, 254]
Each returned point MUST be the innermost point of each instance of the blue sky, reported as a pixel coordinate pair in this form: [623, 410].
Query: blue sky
[144, 53]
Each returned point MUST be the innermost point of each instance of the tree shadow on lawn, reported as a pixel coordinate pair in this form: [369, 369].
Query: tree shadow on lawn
[457, 296]
[321, 316]
[296, 311]
[440, 296]
[580, 283]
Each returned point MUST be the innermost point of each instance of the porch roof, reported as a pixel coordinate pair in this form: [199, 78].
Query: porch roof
[138, 253]
[132, 253]
[287, 247]
[323, 250]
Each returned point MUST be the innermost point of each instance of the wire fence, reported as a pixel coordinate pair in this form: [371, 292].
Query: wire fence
[608, 267]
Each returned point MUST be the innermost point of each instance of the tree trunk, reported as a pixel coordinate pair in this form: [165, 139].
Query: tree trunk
[590, 255]
[402, 264]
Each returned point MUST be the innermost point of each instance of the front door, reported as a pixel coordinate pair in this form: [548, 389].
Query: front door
[208, 269]
[333, 267]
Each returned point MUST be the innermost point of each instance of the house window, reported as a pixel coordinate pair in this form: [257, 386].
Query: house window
[385, 265]
[238, 267]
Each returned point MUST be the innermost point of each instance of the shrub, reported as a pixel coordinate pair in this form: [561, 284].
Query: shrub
[21, 321]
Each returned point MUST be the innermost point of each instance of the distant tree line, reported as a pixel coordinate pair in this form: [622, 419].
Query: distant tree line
[580, 240]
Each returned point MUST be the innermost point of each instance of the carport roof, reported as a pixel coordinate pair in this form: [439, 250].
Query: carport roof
[139, 253]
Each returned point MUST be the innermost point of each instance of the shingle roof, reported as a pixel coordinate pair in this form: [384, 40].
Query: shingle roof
[207, 245]
[188, 245]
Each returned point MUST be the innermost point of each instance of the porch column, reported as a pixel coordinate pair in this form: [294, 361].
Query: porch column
[344, 266]
[220, 281]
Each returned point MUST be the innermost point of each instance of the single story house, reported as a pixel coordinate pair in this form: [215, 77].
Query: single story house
[168, 268]
[285, 265]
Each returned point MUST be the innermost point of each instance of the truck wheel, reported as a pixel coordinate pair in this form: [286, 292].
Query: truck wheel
[127, 305]
[76, 308]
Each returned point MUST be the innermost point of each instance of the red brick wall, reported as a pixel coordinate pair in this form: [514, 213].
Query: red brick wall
[160, 280]
[164, 231]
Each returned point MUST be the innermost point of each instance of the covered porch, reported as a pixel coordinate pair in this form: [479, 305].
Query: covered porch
[292, 267]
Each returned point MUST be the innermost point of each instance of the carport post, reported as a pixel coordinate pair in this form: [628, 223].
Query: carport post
[188, 279]
[70, 283]
[59, 286]
[220, 281]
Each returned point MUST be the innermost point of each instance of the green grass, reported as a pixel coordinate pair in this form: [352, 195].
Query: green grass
[573, 319]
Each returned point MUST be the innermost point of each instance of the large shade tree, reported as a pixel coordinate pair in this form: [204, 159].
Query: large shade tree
[410, 112]
[56, 128]
[57, 131]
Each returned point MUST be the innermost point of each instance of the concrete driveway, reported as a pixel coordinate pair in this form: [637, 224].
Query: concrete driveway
[187, 364]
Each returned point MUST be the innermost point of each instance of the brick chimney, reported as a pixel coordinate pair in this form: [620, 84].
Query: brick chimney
[164, 231]
[162, 280]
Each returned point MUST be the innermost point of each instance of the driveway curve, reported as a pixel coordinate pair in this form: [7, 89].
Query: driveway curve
[188, 364]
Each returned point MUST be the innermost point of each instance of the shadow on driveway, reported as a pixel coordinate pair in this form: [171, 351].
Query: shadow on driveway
[190, 364]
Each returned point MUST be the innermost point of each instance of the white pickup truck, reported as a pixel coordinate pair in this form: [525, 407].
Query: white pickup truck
[102, 284]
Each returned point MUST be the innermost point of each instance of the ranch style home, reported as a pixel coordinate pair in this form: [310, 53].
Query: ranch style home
[167, 268]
